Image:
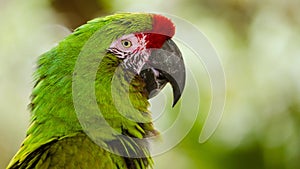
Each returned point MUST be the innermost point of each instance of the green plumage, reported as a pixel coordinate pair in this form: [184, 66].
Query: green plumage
[55, 138]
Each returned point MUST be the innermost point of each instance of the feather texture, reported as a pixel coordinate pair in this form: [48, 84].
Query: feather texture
[55, 138]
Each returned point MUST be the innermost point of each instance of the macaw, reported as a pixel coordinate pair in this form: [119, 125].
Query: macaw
[130, 57]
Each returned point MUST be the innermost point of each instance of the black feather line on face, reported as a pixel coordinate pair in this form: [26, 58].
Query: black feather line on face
[131, 61]
[133, 56]
[118, 53]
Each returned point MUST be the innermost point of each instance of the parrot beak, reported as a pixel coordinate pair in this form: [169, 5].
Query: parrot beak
[164, 65]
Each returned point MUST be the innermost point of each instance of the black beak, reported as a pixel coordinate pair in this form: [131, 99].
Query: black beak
[165, 65]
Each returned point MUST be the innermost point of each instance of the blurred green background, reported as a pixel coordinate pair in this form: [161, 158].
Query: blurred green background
[258, 44]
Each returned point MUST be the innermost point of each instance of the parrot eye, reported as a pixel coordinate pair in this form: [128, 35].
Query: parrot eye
[126, 43]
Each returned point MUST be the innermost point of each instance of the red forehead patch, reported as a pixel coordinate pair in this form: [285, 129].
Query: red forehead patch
[162, 25]
[162, 29]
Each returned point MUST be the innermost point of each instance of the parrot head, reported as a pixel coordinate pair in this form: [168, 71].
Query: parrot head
[153, 56]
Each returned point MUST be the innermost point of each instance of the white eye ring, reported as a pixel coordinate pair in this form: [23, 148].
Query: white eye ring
[126, 43]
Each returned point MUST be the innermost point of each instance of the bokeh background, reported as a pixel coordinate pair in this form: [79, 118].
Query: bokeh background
[258, 44]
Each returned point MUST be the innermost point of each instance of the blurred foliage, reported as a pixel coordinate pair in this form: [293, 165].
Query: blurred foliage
[258, 43]
[238, 13]
[78, 12]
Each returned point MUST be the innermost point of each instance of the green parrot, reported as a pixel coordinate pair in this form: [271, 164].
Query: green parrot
[89, 105]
